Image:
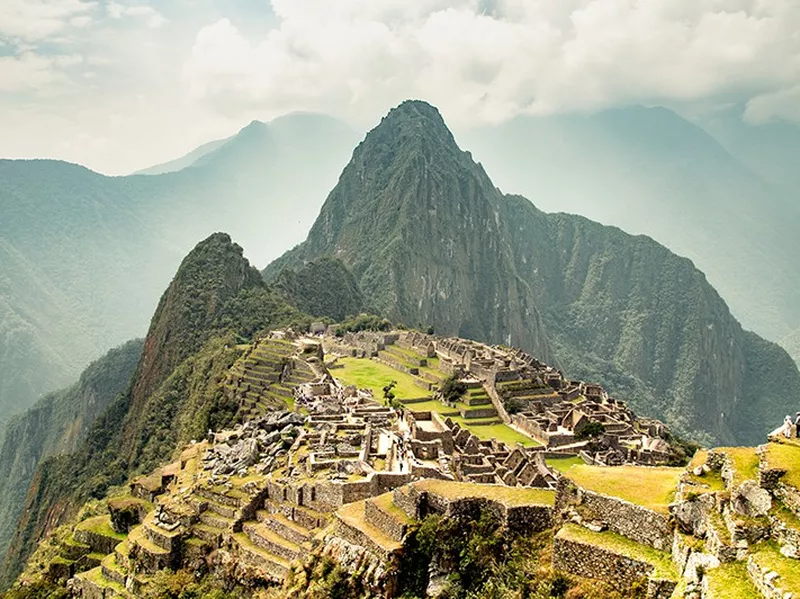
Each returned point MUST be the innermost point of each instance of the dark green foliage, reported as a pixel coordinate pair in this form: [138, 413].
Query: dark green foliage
[452, 389]
[363, 322]
[323, 288]
[591, 431]
[388, 395]
[479, 561]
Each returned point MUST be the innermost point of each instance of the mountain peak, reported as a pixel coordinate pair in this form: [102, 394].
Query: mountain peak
[413, 121]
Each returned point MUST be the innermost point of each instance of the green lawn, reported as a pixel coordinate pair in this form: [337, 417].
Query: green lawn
[652, 488]
[662, 562]
[501, 432]
[712, 480]
[368, 374]
[564, 464]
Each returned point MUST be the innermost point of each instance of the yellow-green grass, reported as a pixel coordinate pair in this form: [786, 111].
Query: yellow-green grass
[510, 496]
[663, 566]
[368, 374]
[100, 525]
[707, 483]
[785, 456]
[785, 515]
[564, 464]
[768, 556]
[730, 581]
[386, 503]
[744, 461]
[650, 487]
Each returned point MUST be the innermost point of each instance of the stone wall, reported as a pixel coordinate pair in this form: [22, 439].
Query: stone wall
[767, 584]
[622, 517]
[591, 561]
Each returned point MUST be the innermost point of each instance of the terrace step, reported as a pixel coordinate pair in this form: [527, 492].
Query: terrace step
[207, 533]
[268, 539]
[273, 566]
[112, 570]
[353, 527]
[93, 583]
[287, 529]
[383, 514]
[216, 520]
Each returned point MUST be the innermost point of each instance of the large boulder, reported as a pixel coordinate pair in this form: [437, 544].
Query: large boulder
[748, 499]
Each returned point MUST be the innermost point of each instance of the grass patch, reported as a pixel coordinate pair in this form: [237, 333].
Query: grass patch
[785, 456]
[511, 496]
[564, 464]
[744, 461]
[368, 374]
[768, 556]
[663, 566]
[100, 525]
[652, 488]
[501, 432]
[730, 581]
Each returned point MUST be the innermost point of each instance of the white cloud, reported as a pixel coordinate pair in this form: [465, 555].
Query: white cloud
[492, 59]
[32, 20]
[26, 72]
[153, 18]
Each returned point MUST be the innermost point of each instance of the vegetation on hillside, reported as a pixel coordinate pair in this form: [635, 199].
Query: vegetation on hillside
[215, 301]
[429, 238]
[55, 425]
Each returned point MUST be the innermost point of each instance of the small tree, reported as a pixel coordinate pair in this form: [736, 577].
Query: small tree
[591, 431]
[388, 394]
[453, 389]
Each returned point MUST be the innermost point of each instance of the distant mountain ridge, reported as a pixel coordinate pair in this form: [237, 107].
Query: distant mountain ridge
[431, 240]
[84, 257]
[647, 170]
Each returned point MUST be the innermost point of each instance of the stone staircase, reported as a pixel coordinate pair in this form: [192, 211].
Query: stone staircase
[264, 379]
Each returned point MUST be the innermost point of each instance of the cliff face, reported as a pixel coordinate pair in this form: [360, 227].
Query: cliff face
[430, 240]
[417, 222]
[56, 425]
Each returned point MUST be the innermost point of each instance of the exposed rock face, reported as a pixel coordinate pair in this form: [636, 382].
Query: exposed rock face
[692, 515]
[431, 240]
[751, 500]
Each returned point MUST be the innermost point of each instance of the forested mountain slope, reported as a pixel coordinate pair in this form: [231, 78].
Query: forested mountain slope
[431, 240]
[55, 425]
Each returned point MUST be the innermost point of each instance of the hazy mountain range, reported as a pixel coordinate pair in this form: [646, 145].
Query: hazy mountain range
[84, 257]
[414, 228]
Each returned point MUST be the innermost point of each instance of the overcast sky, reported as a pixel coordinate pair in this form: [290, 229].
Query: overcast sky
[120, 85]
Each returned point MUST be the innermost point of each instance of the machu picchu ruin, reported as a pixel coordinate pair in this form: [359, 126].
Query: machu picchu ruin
[347, 443]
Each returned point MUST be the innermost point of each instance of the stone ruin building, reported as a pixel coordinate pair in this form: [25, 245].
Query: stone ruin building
[342, 466]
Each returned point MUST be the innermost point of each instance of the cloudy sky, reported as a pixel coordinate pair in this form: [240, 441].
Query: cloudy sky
[119, 85]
